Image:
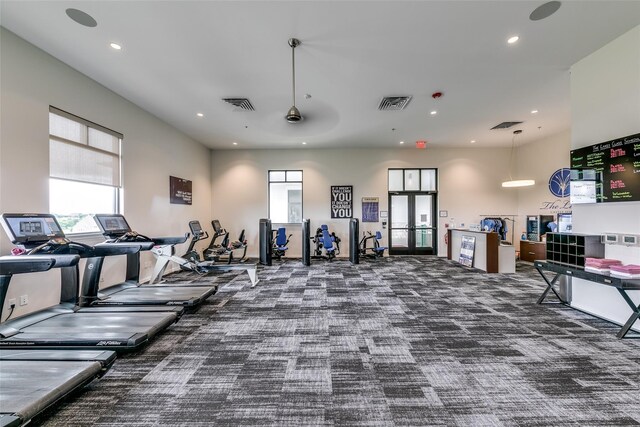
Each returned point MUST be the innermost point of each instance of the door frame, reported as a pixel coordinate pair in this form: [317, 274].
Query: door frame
[411, 248]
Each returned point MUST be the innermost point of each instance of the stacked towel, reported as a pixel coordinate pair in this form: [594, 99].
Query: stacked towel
[630, 271]
[600, 265]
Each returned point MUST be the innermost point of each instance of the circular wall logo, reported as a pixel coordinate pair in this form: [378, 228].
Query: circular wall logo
[559, 182]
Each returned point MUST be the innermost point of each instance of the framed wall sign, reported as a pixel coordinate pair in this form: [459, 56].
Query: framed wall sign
[370, 209]
[341, 201]
[180, 191]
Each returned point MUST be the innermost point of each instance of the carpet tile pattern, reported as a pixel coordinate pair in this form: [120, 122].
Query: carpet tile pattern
[411, 341]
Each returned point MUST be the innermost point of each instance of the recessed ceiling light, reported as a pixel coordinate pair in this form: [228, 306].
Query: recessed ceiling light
[304, 143]
[513, 39]
[116, 46]
[199, 114]
[473, 141]
[235, 143]
[434, 112]
[534, 111]
[401, 142]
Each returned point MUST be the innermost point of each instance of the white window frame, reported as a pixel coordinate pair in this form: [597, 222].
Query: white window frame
[286, 180]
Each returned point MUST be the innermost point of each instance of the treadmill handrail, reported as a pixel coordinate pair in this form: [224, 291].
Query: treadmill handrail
[19, 264]
[161, 241]
[109, 249]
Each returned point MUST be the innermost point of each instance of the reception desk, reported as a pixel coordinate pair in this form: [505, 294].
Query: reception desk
[489, 256]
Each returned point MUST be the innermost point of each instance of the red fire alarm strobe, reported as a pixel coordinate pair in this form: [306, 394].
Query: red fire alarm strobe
[421, 144]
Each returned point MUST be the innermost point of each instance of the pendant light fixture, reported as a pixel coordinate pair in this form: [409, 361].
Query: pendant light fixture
[517, 182]
[293, 115]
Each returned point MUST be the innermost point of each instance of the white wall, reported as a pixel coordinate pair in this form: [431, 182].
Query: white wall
[469, 185]
[539, 160]
[30, 81]
[605, 103]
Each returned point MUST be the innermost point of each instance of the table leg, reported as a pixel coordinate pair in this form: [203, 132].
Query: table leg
[635, 316]
[550, 285]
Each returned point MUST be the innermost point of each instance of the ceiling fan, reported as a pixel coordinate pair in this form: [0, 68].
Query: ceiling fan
[293, 115]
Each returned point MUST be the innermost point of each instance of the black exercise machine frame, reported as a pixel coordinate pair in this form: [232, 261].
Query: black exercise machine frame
[622, 286]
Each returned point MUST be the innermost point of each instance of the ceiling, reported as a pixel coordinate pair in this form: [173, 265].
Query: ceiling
[179, 58]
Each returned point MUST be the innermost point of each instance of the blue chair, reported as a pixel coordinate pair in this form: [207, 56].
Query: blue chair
[327, 242]
[280, 243]
[377, 249]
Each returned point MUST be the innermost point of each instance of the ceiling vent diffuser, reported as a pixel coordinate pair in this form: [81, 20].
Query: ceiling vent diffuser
[505, 125]
[394, 103]
[240, 103]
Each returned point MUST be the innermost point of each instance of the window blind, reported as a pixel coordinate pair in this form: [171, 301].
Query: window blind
[80, 150]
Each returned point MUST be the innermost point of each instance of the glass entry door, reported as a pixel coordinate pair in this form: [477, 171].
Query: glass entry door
[412, 225]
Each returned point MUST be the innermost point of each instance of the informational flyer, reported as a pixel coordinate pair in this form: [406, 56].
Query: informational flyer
[467, 250]
[370, 209]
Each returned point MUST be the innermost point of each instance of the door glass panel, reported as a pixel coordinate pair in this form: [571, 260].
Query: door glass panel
[423, 211]
[411, 180]
[424, 238]
[428, 180]
[399, 211]
[400, 238]
[395, 180]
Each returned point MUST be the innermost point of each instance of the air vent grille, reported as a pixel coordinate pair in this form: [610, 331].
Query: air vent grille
[240, 103]
[394, 103]
[505, 125]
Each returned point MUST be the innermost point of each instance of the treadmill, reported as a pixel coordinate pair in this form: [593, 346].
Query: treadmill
[33, 380]
[66, 325]
[131, 292]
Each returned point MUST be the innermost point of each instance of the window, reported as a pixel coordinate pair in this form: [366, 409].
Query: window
[84, 171]
[423, 180]
[285, 196]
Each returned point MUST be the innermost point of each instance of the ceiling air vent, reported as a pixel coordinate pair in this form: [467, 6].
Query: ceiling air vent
[394, 103]
[505, 125]
[240, 103]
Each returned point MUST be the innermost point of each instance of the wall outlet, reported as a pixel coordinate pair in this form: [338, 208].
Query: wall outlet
[24, 299]
[12, 302]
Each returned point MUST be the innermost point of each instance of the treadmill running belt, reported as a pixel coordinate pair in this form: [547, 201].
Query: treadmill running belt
[30, 387]
[179, 295]
[89, 329]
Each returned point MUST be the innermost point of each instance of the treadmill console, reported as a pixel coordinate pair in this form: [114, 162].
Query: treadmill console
[216, 226]
[31, 229]
[112, 225]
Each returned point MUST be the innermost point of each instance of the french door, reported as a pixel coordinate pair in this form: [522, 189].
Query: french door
[412, 224]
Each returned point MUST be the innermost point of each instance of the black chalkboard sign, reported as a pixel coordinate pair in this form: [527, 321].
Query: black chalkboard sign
[619, 162]
[180, 191]
[341, 201]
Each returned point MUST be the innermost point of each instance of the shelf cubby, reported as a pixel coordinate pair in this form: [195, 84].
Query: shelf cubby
[572, 249]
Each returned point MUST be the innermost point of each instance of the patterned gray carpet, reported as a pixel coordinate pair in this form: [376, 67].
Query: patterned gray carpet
[401, 341]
